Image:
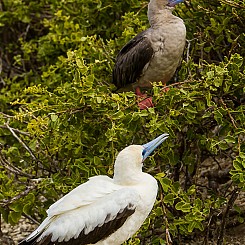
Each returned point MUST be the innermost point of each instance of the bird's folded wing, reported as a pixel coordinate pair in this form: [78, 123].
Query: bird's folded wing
[84, 194]
[132, 59]
[91, 222]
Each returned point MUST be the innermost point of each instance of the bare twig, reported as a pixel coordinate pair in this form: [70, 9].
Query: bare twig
[233, 4]
[16, 130]
[12, 168]
[32, 219]
[188, 48]
[21, 142]
[176, 84]
[229, 205]
[232, 121]
[22, 194]
[167, 233]
[234, 45]
[6, 115]
[205, 242]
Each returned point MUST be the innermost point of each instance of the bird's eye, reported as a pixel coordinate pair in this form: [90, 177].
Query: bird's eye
[143, 152]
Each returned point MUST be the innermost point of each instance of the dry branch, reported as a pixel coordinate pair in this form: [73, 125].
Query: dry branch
[229, 205]
[21, 141]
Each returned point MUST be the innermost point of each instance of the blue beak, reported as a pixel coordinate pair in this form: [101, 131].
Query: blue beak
[152, 145]
[172, 3]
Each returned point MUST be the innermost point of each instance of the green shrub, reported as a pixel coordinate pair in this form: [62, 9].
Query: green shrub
[61, 123]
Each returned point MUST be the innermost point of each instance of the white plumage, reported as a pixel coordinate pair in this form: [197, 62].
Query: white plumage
[103, 211]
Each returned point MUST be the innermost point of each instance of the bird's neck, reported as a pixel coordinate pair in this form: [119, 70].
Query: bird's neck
[159, 13]
[126, 176]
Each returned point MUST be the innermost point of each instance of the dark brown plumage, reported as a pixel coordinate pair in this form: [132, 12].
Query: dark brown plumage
[131, 60]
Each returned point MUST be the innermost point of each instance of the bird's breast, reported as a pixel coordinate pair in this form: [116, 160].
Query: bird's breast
[147, 189]
[168, 43]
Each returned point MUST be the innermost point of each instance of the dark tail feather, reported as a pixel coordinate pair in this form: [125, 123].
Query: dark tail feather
[24, 242]
[44, 241]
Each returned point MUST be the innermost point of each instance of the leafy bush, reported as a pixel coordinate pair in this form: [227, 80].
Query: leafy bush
[61, 123]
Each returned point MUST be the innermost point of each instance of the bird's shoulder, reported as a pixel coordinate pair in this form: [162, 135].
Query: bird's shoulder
[140, 39]
[84, 194]
[132, 59]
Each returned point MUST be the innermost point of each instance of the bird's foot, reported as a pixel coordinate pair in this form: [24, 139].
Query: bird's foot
[145, 103]
[165, 89]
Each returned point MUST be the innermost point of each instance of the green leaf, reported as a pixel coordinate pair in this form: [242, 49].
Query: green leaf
[198, 203]
[27, 209]
[191, 226]
[169, 199]
[183, 206]
[14, 217]
[195, 224]
[191, 190]
[165, 182]
[230, 139]
[240, 219]
[176, 187]
[238, 165]
[17, 207]
[53, 117]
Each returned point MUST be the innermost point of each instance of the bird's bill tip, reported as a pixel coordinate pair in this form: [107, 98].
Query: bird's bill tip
[172, 3]
[152, 145]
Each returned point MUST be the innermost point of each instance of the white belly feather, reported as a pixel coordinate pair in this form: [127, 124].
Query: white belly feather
[148, 193]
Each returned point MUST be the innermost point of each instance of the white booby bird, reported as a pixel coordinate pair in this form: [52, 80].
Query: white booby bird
[154, 54]
[103, 211]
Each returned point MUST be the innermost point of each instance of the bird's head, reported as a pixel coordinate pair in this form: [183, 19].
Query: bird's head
[149, 147]
[160, 10]
[129, 160]
[160, 4]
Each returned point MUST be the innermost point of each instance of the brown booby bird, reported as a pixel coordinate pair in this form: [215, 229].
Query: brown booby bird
[154, 54]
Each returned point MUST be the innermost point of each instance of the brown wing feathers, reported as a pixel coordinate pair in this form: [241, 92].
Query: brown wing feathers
[131, 60]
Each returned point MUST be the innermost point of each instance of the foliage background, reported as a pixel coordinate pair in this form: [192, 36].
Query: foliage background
[61, 123]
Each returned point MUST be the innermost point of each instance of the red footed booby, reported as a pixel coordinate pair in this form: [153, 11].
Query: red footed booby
[154, 54]
[103, 210]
